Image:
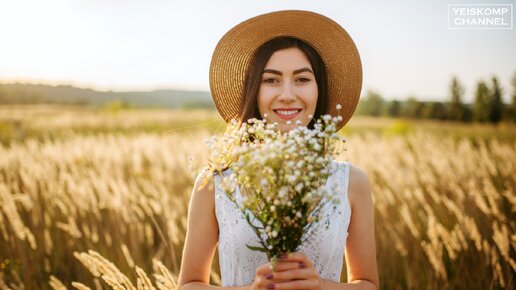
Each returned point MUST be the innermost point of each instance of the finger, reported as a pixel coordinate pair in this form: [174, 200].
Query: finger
[297, 257]
[296, 284]
[284, 266]
[292, 274]
[264, 269]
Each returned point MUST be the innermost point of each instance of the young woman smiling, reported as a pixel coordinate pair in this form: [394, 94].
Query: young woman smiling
[289, 67]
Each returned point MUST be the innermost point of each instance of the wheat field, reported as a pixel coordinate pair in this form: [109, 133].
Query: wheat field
[98, 200]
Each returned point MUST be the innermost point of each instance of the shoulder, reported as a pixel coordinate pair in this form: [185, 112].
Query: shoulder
[359, 186]
[204, 177]
[203, 189]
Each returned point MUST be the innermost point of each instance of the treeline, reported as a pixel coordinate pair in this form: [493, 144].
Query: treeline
[69, 95]
[19, 94]
[487, 106]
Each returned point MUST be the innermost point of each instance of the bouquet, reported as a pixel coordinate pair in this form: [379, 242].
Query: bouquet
[281, 176]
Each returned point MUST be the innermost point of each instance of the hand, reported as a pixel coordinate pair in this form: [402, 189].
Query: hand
[264, 278]
[299, 274]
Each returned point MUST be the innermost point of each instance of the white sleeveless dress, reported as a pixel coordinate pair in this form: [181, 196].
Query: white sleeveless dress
[324, 246]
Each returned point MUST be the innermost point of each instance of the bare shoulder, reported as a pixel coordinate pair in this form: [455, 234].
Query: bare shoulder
[202, 199]
[203, 189]
[204, 177]
[359, 186]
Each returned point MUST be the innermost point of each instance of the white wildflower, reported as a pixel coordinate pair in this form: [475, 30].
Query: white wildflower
[282, 192]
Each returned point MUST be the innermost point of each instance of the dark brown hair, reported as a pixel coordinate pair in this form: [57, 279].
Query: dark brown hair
[253, 78]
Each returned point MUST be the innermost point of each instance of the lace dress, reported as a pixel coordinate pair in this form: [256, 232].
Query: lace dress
[324, 245]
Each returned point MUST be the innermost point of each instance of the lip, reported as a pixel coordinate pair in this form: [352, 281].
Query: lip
[289, 116]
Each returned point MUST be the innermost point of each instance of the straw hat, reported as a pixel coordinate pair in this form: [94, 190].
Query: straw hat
[235, 49]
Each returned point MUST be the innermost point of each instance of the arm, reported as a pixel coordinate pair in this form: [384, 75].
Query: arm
[360, 245]
[201, 239]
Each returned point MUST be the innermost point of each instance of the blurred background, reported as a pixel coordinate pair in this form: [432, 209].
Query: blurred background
[104, 106]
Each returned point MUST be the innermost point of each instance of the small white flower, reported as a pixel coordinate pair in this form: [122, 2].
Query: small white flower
[265, 115]
[289, 122]
[282, 192]
[310, 116]
[274, 234]
[273, 208]
[339, 107]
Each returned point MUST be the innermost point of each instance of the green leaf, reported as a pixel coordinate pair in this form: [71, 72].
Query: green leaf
[254, 248]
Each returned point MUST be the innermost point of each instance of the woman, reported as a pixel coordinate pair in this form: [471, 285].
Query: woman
[289, 67]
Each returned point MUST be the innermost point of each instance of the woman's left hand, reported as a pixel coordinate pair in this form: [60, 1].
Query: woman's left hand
[305, 277]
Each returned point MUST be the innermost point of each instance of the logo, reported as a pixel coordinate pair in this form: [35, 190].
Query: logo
[479, 16]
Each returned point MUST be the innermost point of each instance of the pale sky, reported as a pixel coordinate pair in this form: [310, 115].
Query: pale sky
[405, 46]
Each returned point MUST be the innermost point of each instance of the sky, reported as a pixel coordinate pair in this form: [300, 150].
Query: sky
[405, 46]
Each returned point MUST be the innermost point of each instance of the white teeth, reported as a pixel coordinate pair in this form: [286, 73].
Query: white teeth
[287, 113]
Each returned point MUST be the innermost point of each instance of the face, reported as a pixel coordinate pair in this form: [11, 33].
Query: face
[288, 90]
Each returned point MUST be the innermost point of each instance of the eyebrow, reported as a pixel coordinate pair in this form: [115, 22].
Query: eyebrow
[277, 72]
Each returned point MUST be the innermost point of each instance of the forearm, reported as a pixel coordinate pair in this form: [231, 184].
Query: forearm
[204, 286]
[355, 285]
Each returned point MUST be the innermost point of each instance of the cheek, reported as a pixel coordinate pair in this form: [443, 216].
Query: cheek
[312, 95]
[264, 99]
[262, 103]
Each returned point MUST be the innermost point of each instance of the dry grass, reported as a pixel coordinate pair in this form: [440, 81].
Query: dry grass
[109, 210]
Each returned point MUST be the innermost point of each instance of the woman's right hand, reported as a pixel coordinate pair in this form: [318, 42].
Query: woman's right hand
[263, 277]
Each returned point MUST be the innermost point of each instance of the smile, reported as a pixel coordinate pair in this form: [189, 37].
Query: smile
[287, 114]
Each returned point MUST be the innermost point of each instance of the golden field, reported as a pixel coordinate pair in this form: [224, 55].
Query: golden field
[98, 199]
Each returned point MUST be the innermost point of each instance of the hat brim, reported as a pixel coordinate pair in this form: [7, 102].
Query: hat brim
[233, 53]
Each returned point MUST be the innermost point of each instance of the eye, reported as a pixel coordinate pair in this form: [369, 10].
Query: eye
[270, 80]
[304, 80]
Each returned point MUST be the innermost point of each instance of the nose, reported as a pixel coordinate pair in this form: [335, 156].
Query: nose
[287, 94]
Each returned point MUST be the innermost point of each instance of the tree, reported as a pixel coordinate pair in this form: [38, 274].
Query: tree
[480, 107]
[413, 108]
[372, 104]
[495, 102]
[456, 107]
[467, 115]
[434, 110]
[394, 108]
